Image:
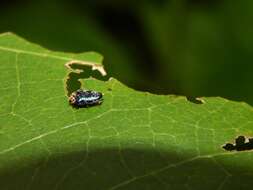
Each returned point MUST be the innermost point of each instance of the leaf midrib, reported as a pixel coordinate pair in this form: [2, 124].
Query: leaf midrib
[34, 53]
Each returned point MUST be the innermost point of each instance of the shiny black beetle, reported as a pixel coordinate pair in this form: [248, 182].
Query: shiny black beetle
[85, 98]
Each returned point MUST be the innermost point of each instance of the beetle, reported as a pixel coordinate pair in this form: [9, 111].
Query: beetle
[85, 98]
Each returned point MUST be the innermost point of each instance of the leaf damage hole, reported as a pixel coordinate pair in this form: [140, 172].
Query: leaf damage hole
[241, 144]
[94, 66]
[73, 80]
[195, 100]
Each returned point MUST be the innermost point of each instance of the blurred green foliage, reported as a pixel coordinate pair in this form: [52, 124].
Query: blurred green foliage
[186, 47]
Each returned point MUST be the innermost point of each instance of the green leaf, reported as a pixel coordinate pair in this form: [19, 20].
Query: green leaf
[134, 140]
[77, 32]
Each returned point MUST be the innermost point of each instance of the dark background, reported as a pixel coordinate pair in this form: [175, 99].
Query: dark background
[185, 47]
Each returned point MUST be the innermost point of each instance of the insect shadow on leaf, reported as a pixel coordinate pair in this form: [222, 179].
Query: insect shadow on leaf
[240, 144]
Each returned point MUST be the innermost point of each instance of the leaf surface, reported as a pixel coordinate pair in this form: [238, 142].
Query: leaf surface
[134, 140]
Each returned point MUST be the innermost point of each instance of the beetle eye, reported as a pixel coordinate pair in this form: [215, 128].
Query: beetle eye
[72, 100]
